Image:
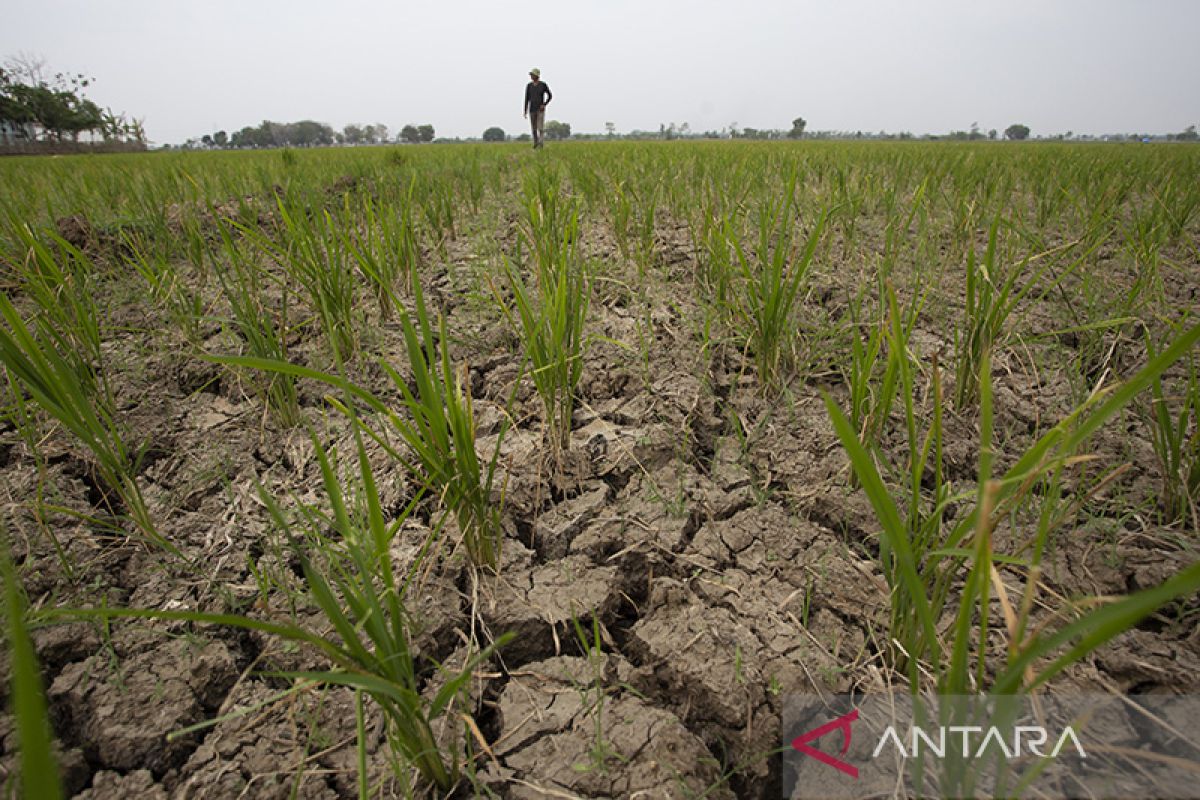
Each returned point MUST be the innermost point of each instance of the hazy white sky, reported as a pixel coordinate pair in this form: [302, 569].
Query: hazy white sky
[190, 68]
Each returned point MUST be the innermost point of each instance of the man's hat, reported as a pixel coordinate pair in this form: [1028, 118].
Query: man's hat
[535, 72]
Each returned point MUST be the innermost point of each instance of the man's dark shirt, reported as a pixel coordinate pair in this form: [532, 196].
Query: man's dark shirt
[536, 96]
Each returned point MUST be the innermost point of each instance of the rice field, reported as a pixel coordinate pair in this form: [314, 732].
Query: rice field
[456, 471]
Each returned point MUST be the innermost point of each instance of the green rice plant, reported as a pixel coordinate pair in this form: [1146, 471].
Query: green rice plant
[313, 251]
[38, 774]
[184, 305]
[993, 295]
[55, 384]
[345, 555]
[384, 246]
[621, 208]
[1174, 423]
[717, 261]
[552, 318]
[646, 201]
[772, 275]
[886, 342]
[924, 561]
[264, 333]
[592, 696]
[441, 431]
[60, 279]
[438, 204]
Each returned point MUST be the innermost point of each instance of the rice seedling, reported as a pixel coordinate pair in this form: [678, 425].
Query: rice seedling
[184, 305]
[441, 432]
[552, 317]
[346, 560]
[313, 251]
[887, 341]
[38, 776]
[264, 333]
[992, 296]
[923, 561]
[60, 279]
[384, 246]
[772, 275]
[1174, 422]
[55, 384]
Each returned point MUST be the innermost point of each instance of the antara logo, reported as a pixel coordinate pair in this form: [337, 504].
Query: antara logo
[842, 723]
[975, 741]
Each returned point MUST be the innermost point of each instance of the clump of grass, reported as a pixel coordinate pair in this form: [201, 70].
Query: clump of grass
[345, 555]
[264, 332]
[76, 402]
[923, 560]
[39, 772]
[772, 276]
[440, 430]
[551, 319]
[312, 248]
[993, 295]
[1174, 422]
[183, 305]
[384, 246]
[887, 343]
[61, 281]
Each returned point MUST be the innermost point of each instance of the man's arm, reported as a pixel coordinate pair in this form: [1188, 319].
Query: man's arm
[525, 107]
[549, 95]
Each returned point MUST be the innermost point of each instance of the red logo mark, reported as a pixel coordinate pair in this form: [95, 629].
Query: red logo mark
[800, 743]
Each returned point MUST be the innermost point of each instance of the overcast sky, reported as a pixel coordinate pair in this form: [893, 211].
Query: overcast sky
[925, 66]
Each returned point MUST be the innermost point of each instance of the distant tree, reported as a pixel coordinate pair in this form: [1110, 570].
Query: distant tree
[798, 125]
[557, 131]
[353, 134]
[306, 133]
[206, 140]
[611, 128]
[425, 132]
[34, 106]
[1016, 132]
[992, 134]
[493, 135]
[974, 134]
[220, 138]
[381, 132]
[524, 137]
[1189, 134]
[410, 134]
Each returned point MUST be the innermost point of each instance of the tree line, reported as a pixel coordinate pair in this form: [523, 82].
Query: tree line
[310, 133]
[38, 107]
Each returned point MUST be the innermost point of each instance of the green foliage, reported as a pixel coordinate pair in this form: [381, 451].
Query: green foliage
[1174, 422]
[923, 559]
[264, 329]
[74, 398]
[38, 769]
[557, 131]
[551, 319]
[1016, 132]
[441, 431]
[346, 560]
[772, 275]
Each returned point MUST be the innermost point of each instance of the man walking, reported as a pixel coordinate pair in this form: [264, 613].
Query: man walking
[537, 97]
